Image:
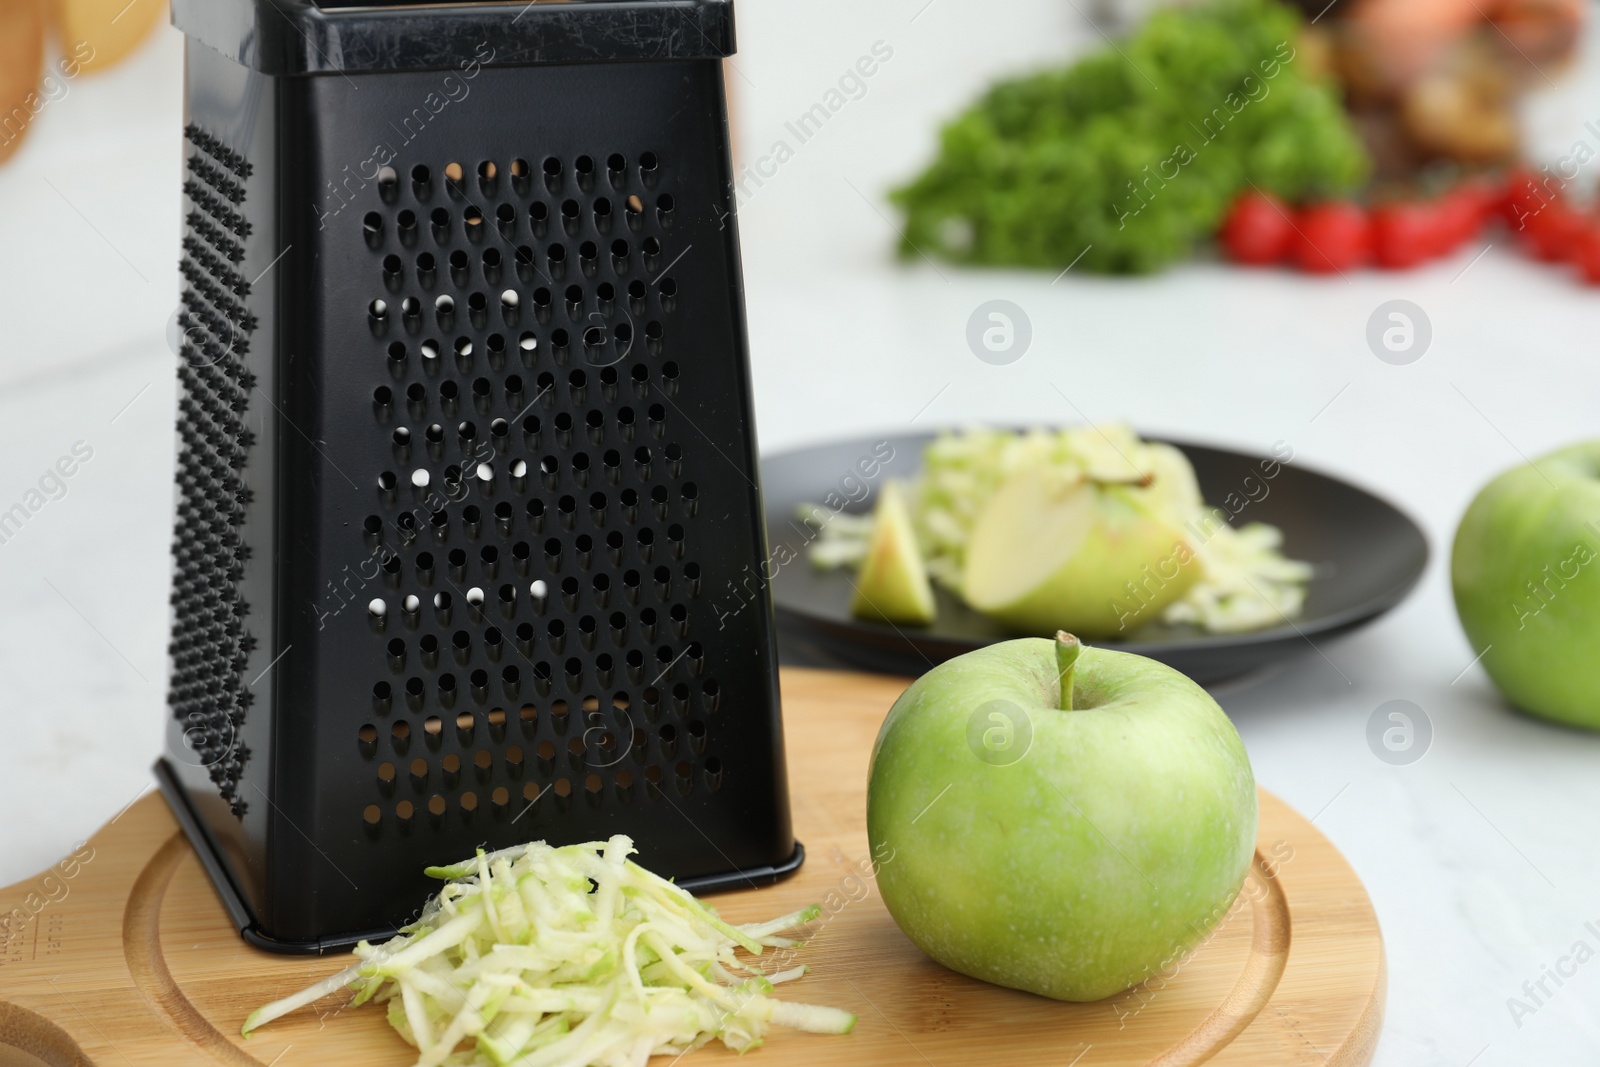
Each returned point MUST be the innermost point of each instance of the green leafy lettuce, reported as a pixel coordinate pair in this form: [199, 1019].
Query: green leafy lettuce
[1135, 153]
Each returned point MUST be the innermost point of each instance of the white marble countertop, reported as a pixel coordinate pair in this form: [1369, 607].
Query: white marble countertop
[1480, 857]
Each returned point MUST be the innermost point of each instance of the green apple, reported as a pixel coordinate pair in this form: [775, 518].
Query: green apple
[1095, 557]
[1527, 590]
[892, 583]
[1069, 824]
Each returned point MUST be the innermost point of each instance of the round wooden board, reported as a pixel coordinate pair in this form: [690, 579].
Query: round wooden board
[125, 956]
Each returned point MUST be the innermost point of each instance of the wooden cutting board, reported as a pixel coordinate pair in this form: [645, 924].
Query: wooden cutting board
[125, 957]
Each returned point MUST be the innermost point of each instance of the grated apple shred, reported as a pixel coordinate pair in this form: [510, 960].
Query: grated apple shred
[537, 956]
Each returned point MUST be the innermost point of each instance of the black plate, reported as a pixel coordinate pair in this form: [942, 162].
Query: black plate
[1367, 554]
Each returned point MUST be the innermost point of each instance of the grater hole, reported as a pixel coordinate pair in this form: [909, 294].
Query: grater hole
[400, 732]
[368, 734]
[441, 217]
[473, 218]
[436, 805]
[520, 168]
[636, 207]
[377, 608]
[562, 788]
[531, 792]
[453, 172]
[552, 167]
[487, 170]
[371, 814]
[421, 175]
[378, 310]
[433, 726]
[386, 773]
[405, 811]
[469, 801]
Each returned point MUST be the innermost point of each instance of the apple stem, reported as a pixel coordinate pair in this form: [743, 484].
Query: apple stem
[1067, 649]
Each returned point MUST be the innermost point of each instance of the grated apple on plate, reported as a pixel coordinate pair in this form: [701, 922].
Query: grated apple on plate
[1246, 581]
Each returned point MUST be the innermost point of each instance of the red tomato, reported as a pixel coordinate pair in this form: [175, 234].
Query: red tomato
[1464, 209]
[1257, 230]
[1585, 252]
[1552, 231]
[1528, 194]
[1334, 236]
[1405, 234]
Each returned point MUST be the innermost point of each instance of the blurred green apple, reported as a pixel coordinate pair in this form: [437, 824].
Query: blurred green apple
[1094, 557]
[1069, 823]
[1526, 588]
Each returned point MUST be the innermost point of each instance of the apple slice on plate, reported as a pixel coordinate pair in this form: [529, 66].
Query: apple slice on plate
[1078, 554]
[892, 584]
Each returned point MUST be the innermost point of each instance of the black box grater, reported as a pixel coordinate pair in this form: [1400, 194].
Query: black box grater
[466, 456]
